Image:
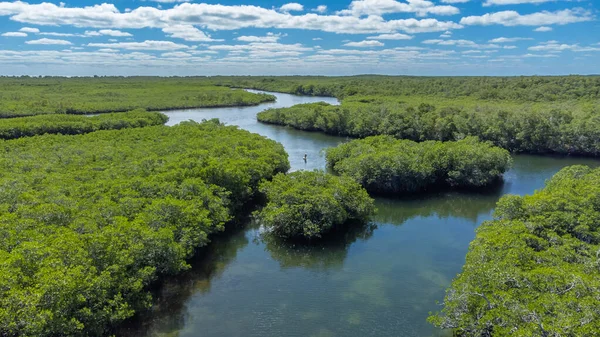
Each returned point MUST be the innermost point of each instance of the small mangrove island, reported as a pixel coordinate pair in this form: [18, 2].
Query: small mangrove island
[310, 204]
[385, 165]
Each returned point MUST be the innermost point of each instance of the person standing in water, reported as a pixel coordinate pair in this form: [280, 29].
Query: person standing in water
[305, 157]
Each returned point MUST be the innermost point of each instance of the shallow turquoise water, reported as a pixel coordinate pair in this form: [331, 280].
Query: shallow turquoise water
[378, 280]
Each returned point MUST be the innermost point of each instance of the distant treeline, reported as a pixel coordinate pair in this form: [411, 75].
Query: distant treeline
[535, 269]
[87, 222]
[32, 96]
[524, 88]
[74, 125]
[517, 128]
[385, 165]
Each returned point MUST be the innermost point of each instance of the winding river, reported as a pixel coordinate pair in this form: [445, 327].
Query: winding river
[378, 280]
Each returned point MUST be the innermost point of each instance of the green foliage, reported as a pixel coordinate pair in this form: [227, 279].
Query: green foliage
[32, 96]
[534, 270]
[87, 222]
[544, 128]
[308, 205]
[530, 88]
[383, 164]
[74, 125]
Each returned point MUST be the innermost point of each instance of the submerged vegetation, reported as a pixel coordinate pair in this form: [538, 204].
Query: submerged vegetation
[533, 270]
[87, 222]
[32, 96]
[385, 165]
[308, 204]
[74, 125]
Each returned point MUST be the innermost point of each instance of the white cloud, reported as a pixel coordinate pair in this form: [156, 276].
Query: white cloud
[187, 33]
[380, 7]
[539, 55]
[29, 30]
[169, 1]
[146, 45]
[509, 39]
[292, 7]
[556, 47]
[176, 54]
[108, 50]
[320, 9]
[396, 36]
[270, 37]
[107, 32]
[509, 47]
[543, 29]
[217, 17]
[512, 18]
[446, 34]
[514, 2]
[317, 39]
[49, 41]
[461, 43]
[364, 44]
[14, 34]
[59, 34]
[455, 1]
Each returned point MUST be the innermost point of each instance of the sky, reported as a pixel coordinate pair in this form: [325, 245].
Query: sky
[308, 37]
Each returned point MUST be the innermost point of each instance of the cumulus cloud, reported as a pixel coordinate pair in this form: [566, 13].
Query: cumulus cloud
[556, 47]
[29, 30]
[514, 2]
[461, 43]
[187, 33]
[396, 36]
[107, 32]
[146, 45]
[509, 39]
[543, 29]
[365, 44]
[14, 34]
[512, 18]
[292, 7]
[320, 9]
[176, 54]
[270, 37]
[49, 42]
[380, 7]
[221, 17]
[455, 1]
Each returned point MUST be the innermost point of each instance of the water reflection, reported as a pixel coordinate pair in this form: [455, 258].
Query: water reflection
[327, 254]
[168, 313]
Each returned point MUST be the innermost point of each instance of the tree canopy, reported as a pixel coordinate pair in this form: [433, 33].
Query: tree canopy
[74, 125]
[535, 269]
[309, 205]
[87, 222]
[33, 96]
[385, 165]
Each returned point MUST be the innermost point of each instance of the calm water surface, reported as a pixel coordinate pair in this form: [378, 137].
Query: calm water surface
[378, 280]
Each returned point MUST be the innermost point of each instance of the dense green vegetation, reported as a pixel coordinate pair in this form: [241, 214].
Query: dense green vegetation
[385, 165]
[523, 88]
[308, 204]
[74, 125]
[26, 96]
[534, 270]
[539, 129]
[87, 222]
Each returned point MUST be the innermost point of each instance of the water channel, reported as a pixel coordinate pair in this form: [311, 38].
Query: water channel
[379, 280]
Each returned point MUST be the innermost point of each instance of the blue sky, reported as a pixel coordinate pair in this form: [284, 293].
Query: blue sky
[246, 37]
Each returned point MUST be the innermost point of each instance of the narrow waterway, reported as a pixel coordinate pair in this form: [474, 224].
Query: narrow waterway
[378, 280]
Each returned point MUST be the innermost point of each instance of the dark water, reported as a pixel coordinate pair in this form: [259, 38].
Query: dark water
[378, 280]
